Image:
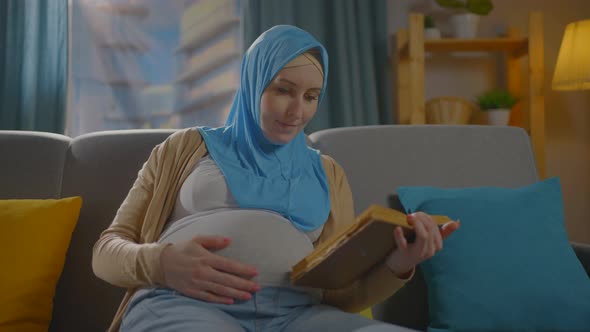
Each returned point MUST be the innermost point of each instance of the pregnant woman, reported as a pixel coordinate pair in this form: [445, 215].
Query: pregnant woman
[207, 235]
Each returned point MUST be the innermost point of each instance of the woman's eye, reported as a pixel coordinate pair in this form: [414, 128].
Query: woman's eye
[311, 97]
[282, 90]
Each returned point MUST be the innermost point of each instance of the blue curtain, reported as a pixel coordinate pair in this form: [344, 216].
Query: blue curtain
[355, 34]
[33, 64]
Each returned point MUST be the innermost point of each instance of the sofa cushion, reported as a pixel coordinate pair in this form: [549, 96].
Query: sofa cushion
[509, 267]
[32, 164]
[35, 235]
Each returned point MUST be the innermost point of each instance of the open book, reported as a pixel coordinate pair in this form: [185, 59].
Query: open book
[352, 252]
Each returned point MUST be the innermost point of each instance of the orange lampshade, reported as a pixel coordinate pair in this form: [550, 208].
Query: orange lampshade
[572, 71]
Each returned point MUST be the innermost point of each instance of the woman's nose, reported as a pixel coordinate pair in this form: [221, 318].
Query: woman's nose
[295, 109]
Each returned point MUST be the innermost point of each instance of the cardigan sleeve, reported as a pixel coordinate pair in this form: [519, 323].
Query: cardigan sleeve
[378, 283]
[118, 257]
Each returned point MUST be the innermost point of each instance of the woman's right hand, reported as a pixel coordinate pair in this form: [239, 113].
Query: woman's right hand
[193, 270]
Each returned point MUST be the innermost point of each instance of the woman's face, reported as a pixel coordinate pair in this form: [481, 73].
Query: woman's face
[289, 102]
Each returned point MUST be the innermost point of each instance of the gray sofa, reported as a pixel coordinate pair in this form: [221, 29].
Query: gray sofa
[101, 167]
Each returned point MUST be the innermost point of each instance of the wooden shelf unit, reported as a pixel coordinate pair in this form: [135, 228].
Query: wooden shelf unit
[411, 49]
[485, 45]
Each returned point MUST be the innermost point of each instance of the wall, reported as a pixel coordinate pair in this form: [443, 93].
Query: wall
[567, 113]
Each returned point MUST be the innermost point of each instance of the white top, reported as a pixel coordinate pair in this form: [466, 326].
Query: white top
[261, 238]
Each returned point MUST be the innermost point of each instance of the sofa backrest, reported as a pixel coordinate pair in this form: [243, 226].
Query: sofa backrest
[100, 167]
[378, 159]
[32, 164]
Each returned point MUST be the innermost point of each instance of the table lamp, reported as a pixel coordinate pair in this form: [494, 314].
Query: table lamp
[572, 71]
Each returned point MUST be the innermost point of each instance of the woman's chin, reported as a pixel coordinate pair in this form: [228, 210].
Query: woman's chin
[280, 138]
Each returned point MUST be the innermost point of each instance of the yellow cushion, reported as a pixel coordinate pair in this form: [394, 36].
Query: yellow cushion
[367, 313]
[34, 238]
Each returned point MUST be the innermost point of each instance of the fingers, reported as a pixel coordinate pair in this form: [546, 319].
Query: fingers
[429, 240]
[220, 262]
[233, 281]
[434, 232]
[208, 296]
[427, 230]
[448, 228]
[223, 290]
[212, 242]
[219, 279]
[224, 264]
[193, 270]
[421, 245]
[400, 239]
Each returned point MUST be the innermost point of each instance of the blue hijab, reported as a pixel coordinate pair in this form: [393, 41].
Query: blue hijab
[286, 178]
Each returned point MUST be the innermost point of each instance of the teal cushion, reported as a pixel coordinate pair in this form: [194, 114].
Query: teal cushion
[509, 267]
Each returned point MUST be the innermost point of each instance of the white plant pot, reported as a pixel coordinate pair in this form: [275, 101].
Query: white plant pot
[465, 25]
[497, 117]
[431, 33]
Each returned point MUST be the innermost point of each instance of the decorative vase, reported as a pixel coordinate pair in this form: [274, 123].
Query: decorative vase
[498, 116]
[465, 25]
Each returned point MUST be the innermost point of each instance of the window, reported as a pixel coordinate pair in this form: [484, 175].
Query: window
[152, 63]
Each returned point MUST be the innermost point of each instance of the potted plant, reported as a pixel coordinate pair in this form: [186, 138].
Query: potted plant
[467, 13]
[430, 29]
[496, 105]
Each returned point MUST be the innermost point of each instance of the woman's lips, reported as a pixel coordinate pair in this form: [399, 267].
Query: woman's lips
[286, 126]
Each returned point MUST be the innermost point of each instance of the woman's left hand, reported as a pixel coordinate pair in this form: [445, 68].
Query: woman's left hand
[429, 240]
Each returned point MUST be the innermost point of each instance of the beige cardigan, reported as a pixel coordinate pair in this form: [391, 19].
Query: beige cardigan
[127, 254]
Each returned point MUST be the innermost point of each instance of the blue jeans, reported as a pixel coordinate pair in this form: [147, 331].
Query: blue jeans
[270, 309]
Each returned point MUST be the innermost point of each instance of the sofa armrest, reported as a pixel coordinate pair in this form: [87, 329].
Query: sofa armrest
[582, 250]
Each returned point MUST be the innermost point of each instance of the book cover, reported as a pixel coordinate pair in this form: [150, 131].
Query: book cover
[352, 252]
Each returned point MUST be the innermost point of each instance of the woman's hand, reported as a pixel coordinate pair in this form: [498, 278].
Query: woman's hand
[429, 240]
[191, 269]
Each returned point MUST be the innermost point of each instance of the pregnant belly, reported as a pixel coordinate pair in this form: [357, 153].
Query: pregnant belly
[260, 238]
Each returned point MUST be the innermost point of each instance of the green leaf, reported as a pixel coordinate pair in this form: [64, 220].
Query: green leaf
[479, 7]
[496, 99]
